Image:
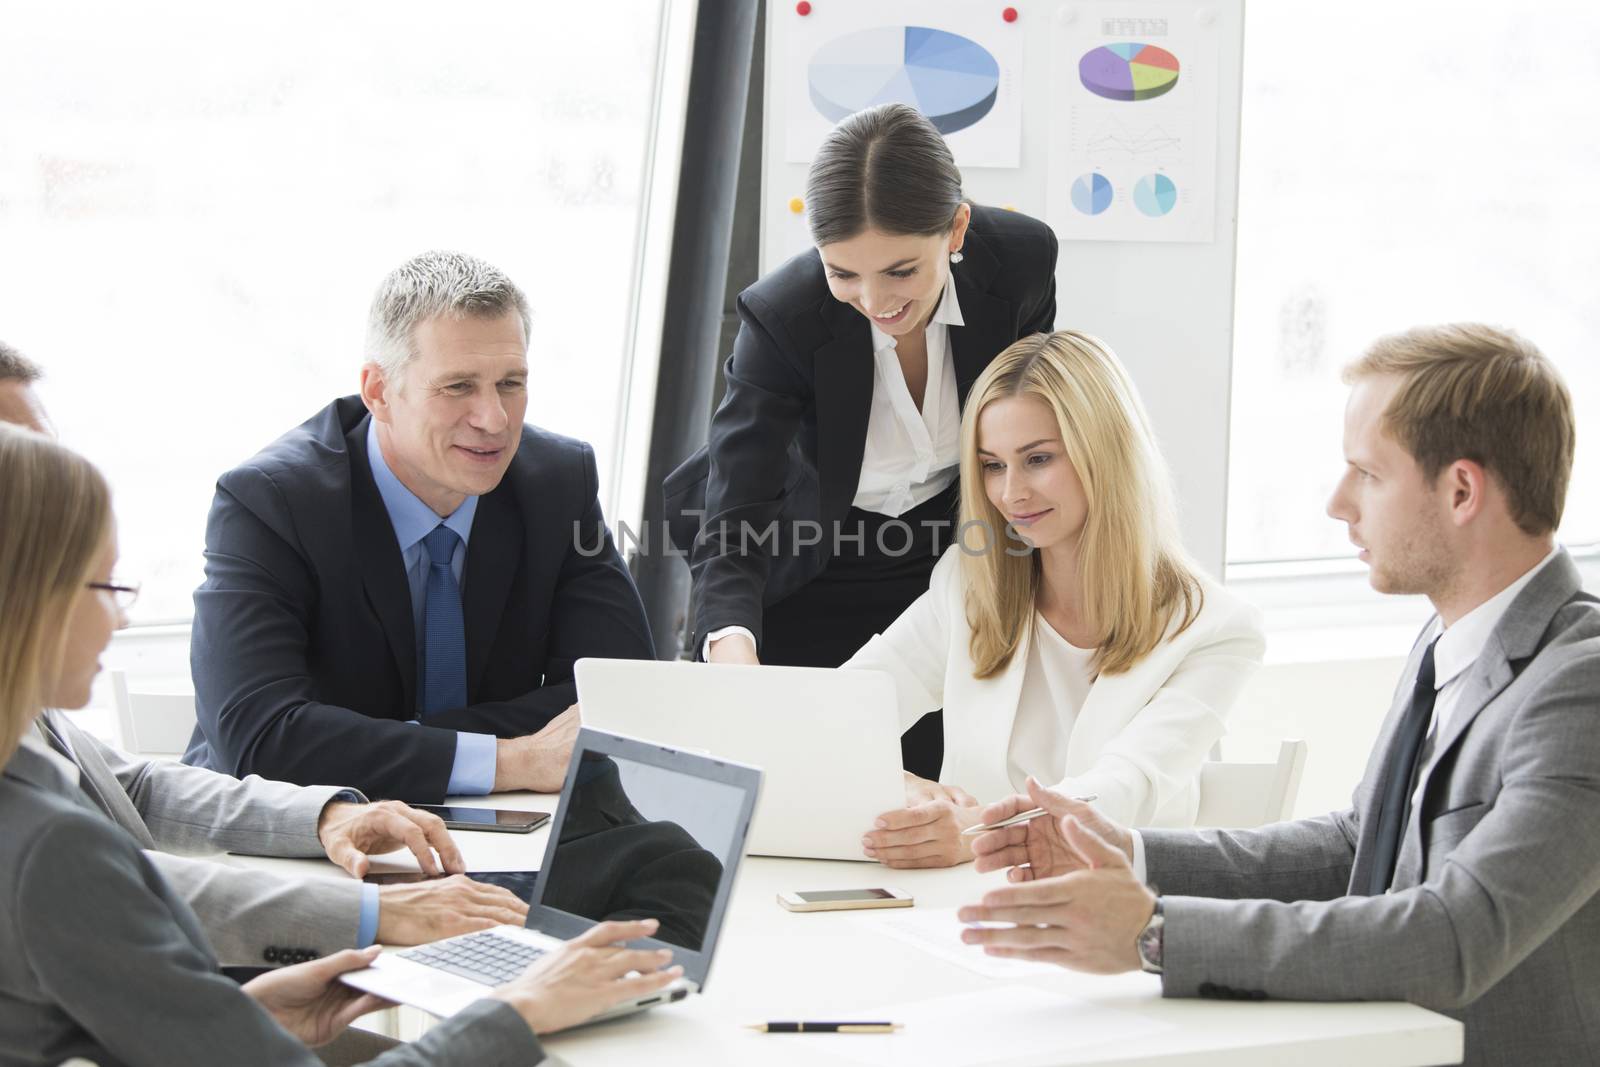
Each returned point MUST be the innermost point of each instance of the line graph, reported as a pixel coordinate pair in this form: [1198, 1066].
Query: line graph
[1141, 144]
[1110, 140]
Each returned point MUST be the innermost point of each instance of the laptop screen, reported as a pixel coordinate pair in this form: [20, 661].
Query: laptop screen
[644, 832]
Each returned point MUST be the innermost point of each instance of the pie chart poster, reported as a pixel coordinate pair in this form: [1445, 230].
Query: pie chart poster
[956, 61]
[1134, 123]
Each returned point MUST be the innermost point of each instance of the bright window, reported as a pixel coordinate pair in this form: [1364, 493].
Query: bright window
[198, 199]
[1403, 164]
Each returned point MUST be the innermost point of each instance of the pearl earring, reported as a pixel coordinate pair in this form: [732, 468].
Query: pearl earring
[956, 257]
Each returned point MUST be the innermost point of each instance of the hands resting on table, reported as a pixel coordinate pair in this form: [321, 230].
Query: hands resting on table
[927, 831]
[1073, 895]
[416, 912]
[574, 983]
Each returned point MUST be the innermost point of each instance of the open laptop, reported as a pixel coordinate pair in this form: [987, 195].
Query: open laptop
[827, 740]
[642, 831]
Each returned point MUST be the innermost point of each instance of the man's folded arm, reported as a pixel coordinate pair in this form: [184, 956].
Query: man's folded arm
[191, 809]
[253, 687]
[246, 912]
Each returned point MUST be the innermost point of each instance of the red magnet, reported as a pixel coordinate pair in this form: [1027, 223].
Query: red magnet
[1009, 14]
[803, 8]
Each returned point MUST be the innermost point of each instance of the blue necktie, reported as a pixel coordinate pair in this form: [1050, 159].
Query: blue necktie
[1395, 805]
[444, 633]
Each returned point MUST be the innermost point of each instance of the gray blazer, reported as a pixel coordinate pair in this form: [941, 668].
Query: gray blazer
[100, 959]
[1493, 917]
[251, 918]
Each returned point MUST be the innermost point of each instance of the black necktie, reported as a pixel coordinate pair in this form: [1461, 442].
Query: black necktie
[1397, 782]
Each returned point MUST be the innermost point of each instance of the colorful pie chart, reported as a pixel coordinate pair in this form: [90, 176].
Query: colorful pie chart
[949, 78]
[1128, 71]
[1091, 194]
[1155, 195]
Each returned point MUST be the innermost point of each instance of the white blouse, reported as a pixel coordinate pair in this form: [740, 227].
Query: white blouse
[912, 456]
[1055, 685]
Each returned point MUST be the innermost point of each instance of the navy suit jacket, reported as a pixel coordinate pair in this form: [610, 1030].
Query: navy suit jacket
[786, 442]
[304, 648]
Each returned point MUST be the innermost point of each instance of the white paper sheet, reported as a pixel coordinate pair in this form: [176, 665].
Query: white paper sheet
[937, 932]
[1133, 160]
[996, 1025]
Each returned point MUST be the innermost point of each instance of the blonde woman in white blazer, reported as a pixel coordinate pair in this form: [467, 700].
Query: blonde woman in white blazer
[1065, 634]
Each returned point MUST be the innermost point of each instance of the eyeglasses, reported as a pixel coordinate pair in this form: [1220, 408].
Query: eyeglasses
[126, 594]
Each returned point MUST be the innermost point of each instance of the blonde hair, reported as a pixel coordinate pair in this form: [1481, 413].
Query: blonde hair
[57, 512]
[1469, 391]
[1133, 573]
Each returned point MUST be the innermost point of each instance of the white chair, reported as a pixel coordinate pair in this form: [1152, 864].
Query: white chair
[152, 724]
[1241, 795]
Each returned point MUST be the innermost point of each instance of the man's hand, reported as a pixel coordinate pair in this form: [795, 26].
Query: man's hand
[926, 833]
[1089, 920]
[310, 1002]
[350, 833]
[732, 648]
[537, 762]
[1037, 848]
[587, 975]
[414, 913]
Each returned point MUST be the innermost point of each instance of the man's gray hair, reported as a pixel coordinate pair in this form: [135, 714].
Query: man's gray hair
[431, 285]
[16, 367]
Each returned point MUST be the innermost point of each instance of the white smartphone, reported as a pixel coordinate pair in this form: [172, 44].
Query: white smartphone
[845, 899]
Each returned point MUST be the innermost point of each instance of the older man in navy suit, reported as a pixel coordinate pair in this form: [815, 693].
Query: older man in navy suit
[397, 589]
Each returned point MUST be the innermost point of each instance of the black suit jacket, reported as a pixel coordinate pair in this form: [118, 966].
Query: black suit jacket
[304, 648]
[787, 440]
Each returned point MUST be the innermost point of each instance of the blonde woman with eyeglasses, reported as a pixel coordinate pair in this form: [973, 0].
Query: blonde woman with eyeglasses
[1066, 634]
[98, 957]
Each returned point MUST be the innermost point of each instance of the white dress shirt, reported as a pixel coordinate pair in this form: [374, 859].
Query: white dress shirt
[910, 456]
[1058, 679]
[1459, 647]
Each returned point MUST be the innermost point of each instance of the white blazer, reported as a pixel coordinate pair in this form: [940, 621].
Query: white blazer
[1139, 738]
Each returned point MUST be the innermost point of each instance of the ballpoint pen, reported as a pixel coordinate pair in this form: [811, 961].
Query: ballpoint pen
[825, 1028]
[1023, 816]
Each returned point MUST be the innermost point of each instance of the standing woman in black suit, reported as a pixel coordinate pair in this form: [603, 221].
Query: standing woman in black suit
[827, 489]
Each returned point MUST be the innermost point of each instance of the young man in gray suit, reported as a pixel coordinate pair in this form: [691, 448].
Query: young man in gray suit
[253, 918]
[1465, 876]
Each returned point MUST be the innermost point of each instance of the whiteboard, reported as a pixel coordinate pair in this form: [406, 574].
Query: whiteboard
[1165, 307]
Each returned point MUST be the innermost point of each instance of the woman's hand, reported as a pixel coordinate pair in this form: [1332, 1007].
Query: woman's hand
[927, 831]
[587, 975]
[922, 790]
[310, 1002]
[1039, 848]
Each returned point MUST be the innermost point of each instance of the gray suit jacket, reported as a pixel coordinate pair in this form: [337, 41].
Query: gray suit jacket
[100, 959]
[1493, 916]
[251, 918]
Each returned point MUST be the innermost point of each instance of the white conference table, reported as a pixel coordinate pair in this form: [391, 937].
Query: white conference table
[775, 964]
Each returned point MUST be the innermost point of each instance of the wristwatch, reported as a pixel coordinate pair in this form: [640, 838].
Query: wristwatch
[1149, 942]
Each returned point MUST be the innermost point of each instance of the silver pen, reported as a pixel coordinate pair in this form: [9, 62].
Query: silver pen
[1024, 816]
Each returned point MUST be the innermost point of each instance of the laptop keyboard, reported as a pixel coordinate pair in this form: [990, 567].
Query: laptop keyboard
[484, 957]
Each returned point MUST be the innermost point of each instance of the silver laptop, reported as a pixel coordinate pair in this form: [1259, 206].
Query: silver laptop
[642, 831]
[827, 740]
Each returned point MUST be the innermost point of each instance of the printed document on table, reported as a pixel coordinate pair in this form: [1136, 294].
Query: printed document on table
[1000, 1024]
[937, 932]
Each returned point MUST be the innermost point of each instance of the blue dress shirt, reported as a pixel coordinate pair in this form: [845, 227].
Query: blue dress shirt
[473, 770]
